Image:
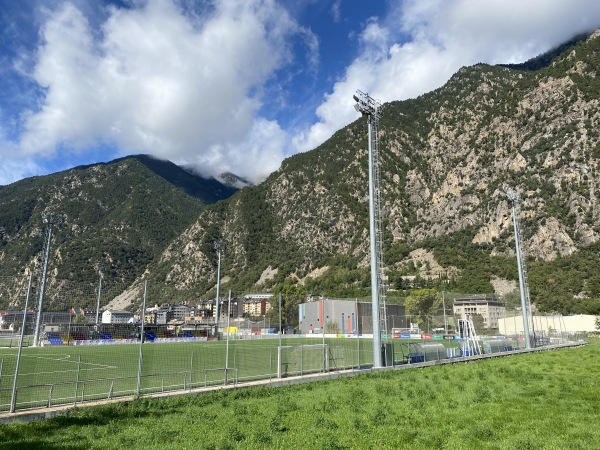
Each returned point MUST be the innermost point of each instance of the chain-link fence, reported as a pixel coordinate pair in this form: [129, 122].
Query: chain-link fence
[79, 342]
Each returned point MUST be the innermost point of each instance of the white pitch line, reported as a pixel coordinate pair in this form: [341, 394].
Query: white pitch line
[67, 358]
[64, 358]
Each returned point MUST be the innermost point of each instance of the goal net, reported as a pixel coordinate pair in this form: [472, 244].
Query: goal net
[300, 359]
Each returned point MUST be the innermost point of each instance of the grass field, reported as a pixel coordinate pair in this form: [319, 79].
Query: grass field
[55, 375]
[547, 400]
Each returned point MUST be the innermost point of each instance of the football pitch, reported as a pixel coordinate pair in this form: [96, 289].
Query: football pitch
[54, 375]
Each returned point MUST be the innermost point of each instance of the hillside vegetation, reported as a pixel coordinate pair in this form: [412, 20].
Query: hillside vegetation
[447, 157]
[115, 218]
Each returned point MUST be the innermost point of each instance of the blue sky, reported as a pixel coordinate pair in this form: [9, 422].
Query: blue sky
[236, 85]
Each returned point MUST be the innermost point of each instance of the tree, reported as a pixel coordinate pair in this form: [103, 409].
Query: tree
[291, 296]
[79, 318]
[421, 303]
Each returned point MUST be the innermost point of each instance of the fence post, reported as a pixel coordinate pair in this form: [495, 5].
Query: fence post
[50, 396]
[227, 337]
[279, 362]
[77, 379]
[192, 369]
[357, 335]
[139, 372]
[13, 401]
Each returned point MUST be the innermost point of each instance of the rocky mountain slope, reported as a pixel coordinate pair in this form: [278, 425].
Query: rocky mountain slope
[447, 159]
[115, 218]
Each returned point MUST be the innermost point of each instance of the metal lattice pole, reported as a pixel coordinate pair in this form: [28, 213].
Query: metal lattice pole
[13, 401]
[523, 287]
[219, 247]
[50, 220]
[142, 331]
[371, 108]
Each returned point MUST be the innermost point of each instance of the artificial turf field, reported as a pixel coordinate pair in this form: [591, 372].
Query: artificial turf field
[54, 375]
[545, 400]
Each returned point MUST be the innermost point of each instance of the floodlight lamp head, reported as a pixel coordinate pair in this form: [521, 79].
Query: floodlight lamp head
[366, 105]
[512, 195]
[51, 218]
[220, 244]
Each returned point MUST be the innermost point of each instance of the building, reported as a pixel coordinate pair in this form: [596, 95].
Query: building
[162, 315]
[116, 316]
[257, 305]
[490, 309]
[13, 320]
[180, 312]
[549, 325]
[344, 316]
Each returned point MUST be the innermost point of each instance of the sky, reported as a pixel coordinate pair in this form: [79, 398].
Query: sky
[236, 85]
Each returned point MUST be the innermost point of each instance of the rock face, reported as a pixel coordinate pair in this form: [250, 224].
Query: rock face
[447, 159]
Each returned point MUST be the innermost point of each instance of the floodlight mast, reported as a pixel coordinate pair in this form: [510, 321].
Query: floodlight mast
[49, 220]
[371, 108]
[513, 197]
[220, 245]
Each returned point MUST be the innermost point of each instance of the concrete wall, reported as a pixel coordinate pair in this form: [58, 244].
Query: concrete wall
[565, 324]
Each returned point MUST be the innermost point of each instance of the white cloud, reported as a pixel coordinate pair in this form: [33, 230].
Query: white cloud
[160, 81]
[14, 167]
[188, 85]
[443, 36]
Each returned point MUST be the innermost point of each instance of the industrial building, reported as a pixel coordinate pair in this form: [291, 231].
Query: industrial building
[344, 316]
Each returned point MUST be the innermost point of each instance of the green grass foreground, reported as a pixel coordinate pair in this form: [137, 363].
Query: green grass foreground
[548, 400]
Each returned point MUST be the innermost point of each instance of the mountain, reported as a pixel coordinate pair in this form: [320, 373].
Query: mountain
[447, 159]
[115, 218]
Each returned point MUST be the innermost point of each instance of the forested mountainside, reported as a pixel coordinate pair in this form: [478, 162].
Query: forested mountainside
[115, 218]
[447, 159]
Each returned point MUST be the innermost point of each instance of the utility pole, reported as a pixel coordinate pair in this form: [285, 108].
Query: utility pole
[371, 108]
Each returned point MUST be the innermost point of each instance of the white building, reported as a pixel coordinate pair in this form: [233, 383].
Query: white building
[487, 307]
[116, 316]
[549, 325]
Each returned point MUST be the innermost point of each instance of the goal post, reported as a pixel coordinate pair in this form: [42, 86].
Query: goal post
[299, 359]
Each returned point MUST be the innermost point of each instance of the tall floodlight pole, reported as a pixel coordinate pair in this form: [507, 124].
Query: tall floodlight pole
[99, 296]
[219, 247]
[371, 108]
[523, 289]
[49, 220]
